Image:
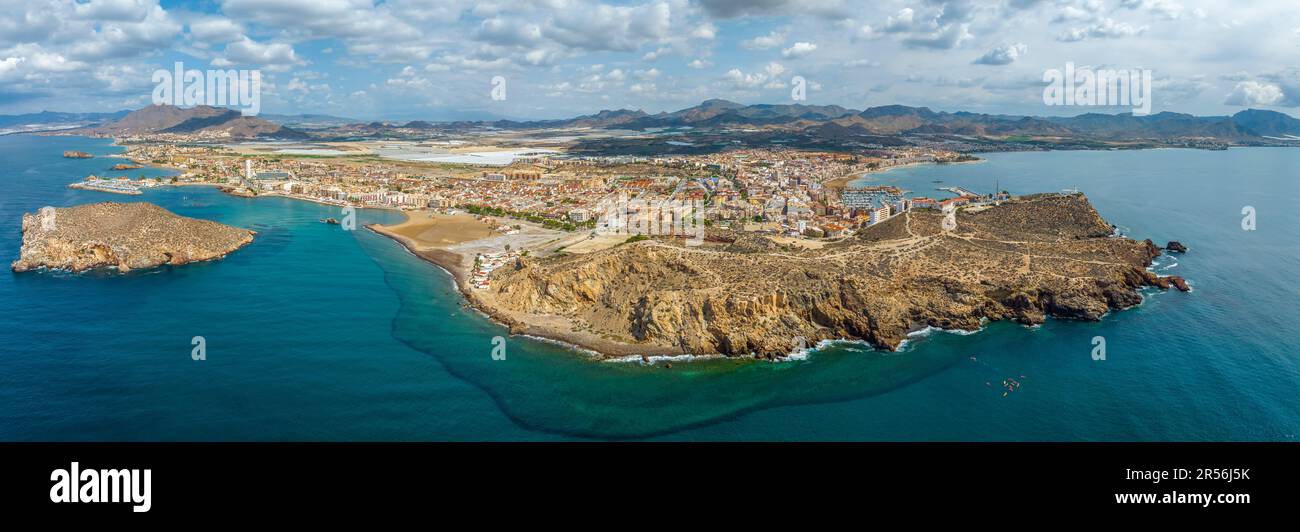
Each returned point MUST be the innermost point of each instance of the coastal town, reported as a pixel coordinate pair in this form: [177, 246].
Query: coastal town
[562, 232]
[783, 191]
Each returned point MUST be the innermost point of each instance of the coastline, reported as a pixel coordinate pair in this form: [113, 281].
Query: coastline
[547, 327]
[847, 181]
[458, 266]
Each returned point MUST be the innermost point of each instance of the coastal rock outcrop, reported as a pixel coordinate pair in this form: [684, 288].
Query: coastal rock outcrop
[125, 236]
[1175, 245]
[1025, 260]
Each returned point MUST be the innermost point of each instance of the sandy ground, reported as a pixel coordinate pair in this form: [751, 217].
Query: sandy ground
[592, 244]
[801, 242]
[428, 238]
[428, 229]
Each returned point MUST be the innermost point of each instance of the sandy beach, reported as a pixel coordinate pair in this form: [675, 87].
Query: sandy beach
[431, 229]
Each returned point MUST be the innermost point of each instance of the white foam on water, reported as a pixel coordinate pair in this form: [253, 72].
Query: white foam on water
[928, 329]
[655, 359]
[561, 343]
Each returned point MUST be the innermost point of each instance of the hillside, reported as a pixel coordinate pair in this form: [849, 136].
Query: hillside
[1023, 261]
[195, 120]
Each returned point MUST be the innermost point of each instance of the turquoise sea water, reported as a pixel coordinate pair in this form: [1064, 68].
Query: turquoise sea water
[315, 333]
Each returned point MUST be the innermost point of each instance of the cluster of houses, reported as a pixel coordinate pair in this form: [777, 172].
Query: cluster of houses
[485, 264]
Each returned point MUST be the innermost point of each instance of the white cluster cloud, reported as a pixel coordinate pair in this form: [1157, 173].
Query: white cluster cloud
[273, 56]
[764, 42]
[1002, 55]
[442, 52]
[1253, 93]
[800, 49]
[1106, 28]
[767, 78]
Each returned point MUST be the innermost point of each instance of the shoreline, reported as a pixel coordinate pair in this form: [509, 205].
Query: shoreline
[847, 181]
[456, 264]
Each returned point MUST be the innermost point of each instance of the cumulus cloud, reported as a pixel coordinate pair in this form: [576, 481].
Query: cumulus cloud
[115, 10]
[761, 8]
[933, 24]
[269, 55]
[94, 47]
[767, 77]
[1003, 55]
[944, 38]
[218, 30]
[764, 42]
[1106, 28]
[1251, 93]
[800, 49]
[705, 31]
[612, 28]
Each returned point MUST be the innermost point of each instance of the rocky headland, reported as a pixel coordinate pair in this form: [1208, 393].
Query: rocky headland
[125, 236]
[1024, 260]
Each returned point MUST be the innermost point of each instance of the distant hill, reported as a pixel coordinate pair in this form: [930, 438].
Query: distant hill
[309, 121]
[1266, 123]
[49, 120]
[198, 119]
[51, 117]
[832, 122]
[723, 113]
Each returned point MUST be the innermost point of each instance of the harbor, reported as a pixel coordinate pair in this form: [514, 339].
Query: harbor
[115, 186]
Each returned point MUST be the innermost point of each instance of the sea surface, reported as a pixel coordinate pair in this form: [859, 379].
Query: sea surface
[317, 333]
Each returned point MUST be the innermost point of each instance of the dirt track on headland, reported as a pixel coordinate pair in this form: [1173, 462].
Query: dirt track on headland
[459, 264]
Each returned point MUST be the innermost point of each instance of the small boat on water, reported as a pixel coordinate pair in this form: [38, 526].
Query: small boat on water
[330, 221]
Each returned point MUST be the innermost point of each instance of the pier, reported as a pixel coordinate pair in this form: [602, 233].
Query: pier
[958, 191]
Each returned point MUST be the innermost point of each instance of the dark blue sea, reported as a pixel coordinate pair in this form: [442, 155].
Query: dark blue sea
[316, 333]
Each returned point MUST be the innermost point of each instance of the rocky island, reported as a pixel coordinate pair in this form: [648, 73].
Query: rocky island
[73, 154]
[125, 236]
[1023, 260]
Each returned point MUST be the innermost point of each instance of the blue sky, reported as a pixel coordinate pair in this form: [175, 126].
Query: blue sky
[434, 59]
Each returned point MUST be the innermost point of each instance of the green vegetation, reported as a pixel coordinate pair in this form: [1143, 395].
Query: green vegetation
[549, 223]
[636, 238]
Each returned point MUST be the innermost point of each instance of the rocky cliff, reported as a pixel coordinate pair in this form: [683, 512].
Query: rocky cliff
[126, 236]
[1027, 259]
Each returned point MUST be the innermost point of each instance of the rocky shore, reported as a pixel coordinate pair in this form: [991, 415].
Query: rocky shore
[459, 265]
[1047, 255]
[124, 236]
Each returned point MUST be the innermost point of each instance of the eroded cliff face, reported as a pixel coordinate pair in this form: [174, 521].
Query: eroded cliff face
[126, 236]
[1022, 261]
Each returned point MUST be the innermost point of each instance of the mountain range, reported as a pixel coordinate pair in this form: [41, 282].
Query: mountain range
[826, 121]
[833, 120]
[199, 119]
